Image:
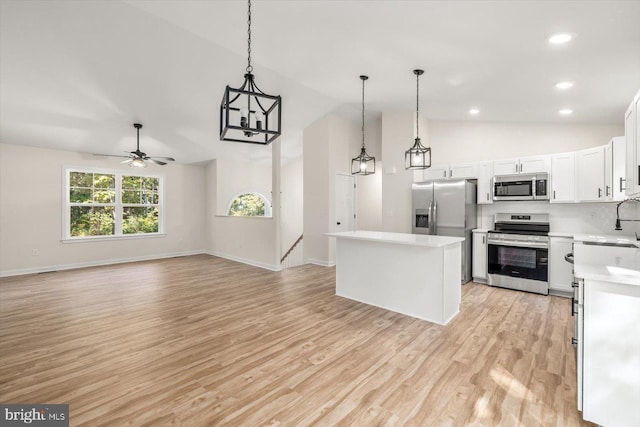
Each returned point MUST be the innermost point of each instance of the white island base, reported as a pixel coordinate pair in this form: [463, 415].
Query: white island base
[416, 275]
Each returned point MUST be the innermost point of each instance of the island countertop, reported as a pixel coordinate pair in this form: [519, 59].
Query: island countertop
[428, 241]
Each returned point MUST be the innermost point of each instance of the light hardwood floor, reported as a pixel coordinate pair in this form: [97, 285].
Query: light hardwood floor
[201, 340]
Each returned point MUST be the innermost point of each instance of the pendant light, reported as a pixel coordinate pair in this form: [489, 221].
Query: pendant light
[247, 114]
[418, 156]
[363, 164]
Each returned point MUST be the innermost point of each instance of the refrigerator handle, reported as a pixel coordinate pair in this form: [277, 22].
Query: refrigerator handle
[430, 225]
[435, 217]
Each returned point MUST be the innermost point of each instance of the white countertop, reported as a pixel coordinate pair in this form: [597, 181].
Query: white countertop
[607, 263]
[607, 239]
[480, 230]
[399, 238]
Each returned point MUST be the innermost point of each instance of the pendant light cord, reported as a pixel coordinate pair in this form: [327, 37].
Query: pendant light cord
[363, 113]
[249, 67]
[417, 105]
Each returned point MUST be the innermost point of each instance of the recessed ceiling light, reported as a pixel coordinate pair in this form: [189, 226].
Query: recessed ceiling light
[474, 111]
[565, 112]
[564, 85]
[560, 38]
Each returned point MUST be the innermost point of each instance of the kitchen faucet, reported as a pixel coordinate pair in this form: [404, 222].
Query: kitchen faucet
[618, 226]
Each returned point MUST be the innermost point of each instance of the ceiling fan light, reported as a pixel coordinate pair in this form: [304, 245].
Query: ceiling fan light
[138, 163]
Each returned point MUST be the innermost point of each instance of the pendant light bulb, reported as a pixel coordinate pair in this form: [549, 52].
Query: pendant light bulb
[244, 116]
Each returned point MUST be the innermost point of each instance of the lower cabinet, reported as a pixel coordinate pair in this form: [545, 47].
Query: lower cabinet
[479, 259]
[560, 271]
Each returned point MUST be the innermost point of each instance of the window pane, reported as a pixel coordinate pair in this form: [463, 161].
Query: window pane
[150, 183]
[80, 195]
[247, 205]
[92, 221]
[139, 220]
[150, 198]
[131, 196]
[80, 179]
[131, 182]
[104, 196]
[104, 181]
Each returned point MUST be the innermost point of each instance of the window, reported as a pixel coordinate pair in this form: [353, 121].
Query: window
[250, 204]
[111, 204]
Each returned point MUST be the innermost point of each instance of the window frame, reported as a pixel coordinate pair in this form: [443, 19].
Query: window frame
[118, 205]
[268, 212]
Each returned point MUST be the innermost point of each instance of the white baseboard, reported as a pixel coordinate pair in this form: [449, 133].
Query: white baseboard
[321, 262]
[264, 265]
[96, 263]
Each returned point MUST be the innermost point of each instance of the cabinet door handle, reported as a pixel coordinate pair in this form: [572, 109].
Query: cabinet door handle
[444, 174]
[554, 194]
[622, 179]
[607, 190]
[599, 193]
[483, 239]
[487, 196]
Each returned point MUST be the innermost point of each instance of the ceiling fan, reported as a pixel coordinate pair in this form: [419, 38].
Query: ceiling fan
[137, 158]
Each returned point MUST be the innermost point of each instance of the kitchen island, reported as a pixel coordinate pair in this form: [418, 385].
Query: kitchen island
[416, 275]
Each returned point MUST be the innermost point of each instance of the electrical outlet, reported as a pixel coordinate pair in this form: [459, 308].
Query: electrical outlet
[34, 252]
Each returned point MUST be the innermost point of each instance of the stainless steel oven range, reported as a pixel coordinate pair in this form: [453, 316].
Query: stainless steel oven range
[518, 252]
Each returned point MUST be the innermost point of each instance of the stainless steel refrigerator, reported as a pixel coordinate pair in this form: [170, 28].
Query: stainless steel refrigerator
[446, 208]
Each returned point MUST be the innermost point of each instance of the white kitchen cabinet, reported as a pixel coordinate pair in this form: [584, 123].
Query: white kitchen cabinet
[560, 271]
[591, 174]
[532, 164]
[450, 171]
[614, 169]
[563, 178]
[435, 172]
[632, 136]
[463, 171]
[485, 183]
[479, 269]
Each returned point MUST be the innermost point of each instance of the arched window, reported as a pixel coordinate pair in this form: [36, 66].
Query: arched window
[250, 204]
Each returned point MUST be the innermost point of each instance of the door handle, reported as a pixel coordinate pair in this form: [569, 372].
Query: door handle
[599, 192]
[337, 223]
[554, 194]
[622, 189]
[487, 196]
[606, 190]
[435, 217]
[483, 239]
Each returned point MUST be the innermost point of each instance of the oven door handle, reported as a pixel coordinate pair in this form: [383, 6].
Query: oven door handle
[518, 244]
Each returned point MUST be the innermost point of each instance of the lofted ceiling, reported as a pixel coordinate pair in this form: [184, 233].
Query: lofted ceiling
[75, 75]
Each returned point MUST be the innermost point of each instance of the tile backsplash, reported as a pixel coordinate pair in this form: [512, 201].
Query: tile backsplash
[597, 218]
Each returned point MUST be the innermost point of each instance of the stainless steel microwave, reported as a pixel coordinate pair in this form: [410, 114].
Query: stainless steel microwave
[521, 187]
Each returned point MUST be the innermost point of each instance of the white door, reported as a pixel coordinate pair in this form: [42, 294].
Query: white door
[463, 170]
[345, 202]
[535, 164]
[479, 256]
[563, 178]
[435, 172]
[506, 167]
[485, 181]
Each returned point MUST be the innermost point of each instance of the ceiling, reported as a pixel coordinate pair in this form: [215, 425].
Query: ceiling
[76, 75]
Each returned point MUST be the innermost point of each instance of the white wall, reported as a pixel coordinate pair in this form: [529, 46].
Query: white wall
[291, 219]
[329, 144]
[251, 240]
[398, 133]
[469, 141]
[31, 188]
[236, 177]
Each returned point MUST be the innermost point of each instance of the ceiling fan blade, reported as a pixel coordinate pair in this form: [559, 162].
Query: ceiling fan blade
[168, 159]
[110, 155]
[157, 162]
[127, 161]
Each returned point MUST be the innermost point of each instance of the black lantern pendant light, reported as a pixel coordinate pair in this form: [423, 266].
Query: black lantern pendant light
[418, 156]
[247, 114]
[364, 164]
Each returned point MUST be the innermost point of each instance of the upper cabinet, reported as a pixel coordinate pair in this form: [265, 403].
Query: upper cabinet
[533, 164]
[614, 169]
[591, 175]
[452, 171]
[563, 178]
[632, 136]
[485, 179]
